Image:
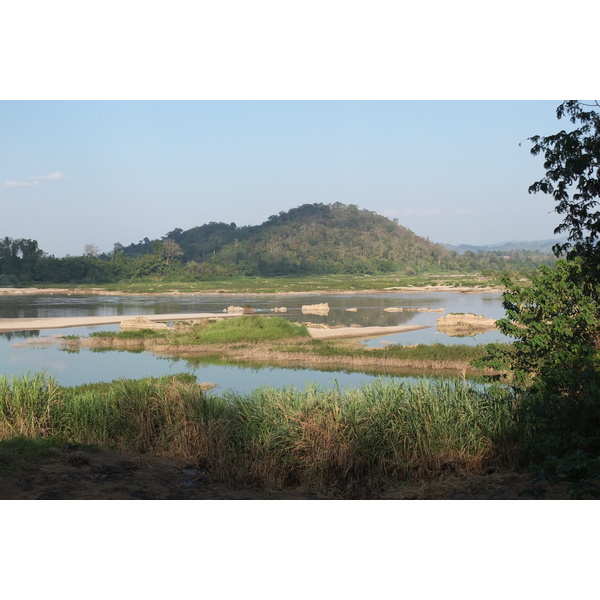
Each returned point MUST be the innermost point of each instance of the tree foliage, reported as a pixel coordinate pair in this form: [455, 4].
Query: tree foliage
[556, 354]
[322, 239]
[571, 160]
[555, 322]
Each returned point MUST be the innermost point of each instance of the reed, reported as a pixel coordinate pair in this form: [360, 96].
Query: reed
[346, 438]
[26, 404]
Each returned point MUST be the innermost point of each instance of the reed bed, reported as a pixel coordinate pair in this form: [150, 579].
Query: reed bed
[353, 438]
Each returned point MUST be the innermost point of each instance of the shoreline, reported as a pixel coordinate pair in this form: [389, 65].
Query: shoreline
[11, 291]
[34, 323]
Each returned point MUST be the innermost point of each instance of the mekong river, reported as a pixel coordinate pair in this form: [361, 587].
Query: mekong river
[19, 356]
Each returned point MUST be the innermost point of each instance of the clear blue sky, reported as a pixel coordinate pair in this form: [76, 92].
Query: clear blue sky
[78, 172]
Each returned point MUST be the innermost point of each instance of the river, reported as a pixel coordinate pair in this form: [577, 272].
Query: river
[22, 352]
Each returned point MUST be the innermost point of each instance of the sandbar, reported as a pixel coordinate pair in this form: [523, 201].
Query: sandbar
[29, 324]
[340, 333]
[35, 323]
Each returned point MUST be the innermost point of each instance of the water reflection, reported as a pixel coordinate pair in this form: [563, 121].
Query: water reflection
[15, 335]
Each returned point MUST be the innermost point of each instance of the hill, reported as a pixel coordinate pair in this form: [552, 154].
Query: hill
[313, 238]
[539, 246]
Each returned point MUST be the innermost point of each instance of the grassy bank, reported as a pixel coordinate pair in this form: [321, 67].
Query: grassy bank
[289, 284]
[355, 440]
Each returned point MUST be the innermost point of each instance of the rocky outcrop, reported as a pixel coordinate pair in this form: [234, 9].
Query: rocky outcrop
[316, 309]
[141, 323]
[456, 324]
[241, 310]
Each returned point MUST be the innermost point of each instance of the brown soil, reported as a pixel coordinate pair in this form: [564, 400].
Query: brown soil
[78, 474]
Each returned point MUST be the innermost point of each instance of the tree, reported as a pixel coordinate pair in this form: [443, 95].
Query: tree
[555, 322]
[171, 249]
[91, 251]
[572, 160]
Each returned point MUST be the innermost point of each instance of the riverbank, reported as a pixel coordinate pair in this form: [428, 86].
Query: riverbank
[358, 443]
[238, 290]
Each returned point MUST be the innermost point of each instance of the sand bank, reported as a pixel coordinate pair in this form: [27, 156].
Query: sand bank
[341, 333]
[64, 322]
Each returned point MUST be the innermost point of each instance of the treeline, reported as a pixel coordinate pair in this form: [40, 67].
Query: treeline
[310, 239]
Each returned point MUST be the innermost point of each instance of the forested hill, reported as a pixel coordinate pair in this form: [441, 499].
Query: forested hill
[310, 239]
[313, 238]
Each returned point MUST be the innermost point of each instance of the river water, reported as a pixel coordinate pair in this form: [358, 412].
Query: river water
[22, 352]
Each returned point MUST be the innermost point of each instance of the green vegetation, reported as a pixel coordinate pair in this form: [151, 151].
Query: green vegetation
[424, 352]
[210, 331]
[135, 334]
[556, 321]
[362, 438]
[311, 240]
[300, 283]
[247, 340]
[243, 329]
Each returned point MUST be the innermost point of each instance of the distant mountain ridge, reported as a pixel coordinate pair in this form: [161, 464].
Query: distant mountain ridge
[541, 246]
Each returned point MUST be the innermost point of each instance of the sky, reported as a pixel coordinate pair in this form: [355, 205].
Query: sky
[101, 172]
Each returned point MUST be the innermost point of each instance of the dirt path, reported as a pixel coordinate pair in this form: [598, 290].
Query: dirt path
[76, 474]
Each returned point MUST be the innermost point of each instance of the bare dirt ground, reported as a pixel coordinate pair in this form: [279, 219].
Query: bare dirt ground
[77, 474]
[74, 473]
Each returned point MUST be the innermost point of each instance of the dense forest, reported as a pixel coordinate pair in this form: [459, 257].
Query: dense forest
[310, 239]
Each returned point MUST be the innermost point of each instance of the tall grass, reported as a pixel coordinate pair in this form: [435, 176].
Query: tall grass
[383, 430]
[26, 405]
[274, 437]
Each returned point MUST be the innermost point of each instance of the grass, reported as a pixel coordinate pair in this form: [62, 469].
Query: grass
[240, 329]
[273, 340]
[270, 285]
[355, 439]
[421, 352]
[244, 329]
[135, 334]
